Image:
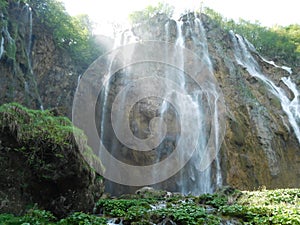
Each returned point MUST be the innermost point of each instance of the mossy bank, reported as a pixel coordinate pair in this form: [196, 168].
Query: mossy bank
[41, 163]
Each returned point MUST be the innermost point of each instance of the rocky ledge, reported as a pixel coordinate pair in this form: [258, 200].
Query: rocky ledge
[41, 163]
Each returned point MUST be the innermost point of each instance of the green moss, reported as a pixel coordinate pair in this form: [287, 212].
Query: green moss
[37, 130]
[35, 125]
[11, 50]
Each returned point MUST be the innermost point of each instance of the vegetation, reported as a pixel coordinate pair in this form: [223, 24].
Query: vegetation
[42, 217]
[36, 125]
[38, 131]
[258, 207]
[73, 34]
[278, 42]
[150, 11]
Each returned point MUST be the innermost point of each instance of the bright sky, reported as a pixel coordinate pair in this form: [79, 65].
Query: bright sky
[268, 12]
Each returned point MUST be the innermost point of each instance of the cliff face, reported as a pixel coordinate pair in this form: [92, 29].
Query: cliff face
[41, 162]
[34, 71]
[260, 147]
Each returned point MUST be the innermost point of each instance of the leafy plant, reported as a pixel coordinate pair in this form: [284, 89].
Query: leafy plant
[186, 214]
[32, 217]
[120, 207]
[79, 218]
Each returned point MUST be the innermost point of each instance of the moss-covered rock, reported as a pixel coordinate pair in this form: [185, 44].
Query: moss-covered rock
[41, 163]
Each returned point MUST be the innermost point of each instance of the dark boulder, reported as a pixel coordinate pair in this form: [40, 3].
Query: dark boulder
[41, 164]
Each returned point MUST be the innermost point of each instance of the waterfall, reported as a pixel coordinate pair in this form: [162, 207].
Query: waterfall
[7, 35]
[159, 114]
[2, 46]
[28, 21]
[2, 37]
[30, 32]
[193, 179]
[290, 107]
[216, 94]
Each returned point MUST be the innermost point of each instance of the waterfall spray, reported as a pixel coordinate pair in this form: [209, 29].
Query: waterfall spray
[2, 46]
[159, 113]
[290, 107]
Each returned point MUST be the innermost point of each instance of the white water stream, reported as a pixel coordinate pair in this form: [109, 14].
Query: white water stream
[290, 107]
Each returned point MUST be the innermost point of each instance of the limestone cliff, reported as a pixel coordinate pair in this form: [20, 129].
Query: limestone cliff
[260, 147]
[34, 70]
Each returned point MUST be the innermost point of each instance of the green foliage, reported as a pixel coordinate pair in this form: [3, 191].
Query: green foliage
[3, 5]
[273, 207]
[79, 218]
[37, 217]
[266, 207]
[278, 43]
[42, 217]
[120, 207]
[32, 217]
[36, 125]
[9, 219]
[73, 34]
[186, 214]
[214, 200]
[39, 132]
[150, 11]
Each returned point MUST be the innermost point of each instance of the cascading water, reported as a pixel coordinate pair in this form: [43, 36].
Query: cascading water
[28, 20]
[27, 11]
[290, 107]
[1, 47]
[193, 180]
[159, 113]
[216, 94]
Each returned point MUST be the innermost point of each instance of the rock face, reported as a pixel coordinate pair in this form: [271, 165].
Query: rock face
[260, 147]
[41, 163]
[34, 71]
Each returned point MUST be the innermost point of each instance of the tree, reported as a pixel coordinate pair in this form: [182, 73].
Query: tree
[150, 11]
[280, 43]
[74, 34]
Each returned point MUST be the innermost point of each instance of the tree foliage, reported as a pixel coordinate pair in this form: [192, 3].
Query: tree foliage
[277, 42]
[150, 11]
[74, 34]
